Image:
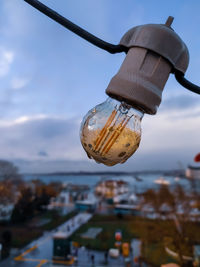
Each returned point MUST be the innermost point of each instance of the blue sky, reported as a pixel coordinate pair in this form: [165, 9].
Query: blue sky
[50, 78]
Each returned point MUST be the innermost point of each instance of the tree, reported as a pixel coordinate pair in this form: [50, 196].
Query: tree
[6, 239]
[10, 181]
[8, 171]
[24, 208]
[33, 199]
[44, 192]
[174, 206]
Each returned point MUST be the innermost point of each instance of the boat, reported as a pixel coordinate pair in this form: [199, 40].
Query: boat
[137, 178]
[161, 180]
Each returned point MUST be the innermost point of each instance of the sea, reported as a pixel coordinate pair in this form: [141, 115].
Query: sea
[137, 184]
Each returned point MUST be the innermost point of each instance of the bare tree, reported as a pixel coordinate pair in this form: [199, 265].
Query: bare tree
[10, 180]
[176, 206]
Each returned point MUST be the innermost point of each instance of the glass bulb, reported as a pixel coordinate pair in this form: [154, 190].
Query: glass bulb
[111, 132]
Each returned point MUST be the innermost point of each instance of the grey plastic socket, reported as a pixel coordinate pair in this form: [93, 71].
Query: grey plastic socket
[155, 50]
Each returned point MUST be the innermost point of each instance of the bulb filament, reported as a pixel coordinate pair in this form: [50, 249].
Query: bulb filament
[110, 132]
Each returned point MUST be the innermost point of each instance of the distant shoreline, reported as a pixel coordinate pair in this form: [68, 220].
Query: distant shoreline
[117, 173]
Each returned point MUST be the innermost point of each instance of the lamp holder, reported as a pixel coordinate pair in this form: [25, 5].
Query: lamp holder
[155, 50]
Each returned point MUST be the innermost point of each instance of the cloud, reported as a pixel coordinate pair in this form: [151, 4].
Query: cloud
[21, 120]
[180, 102]
[43, 153]
[6, 59]
[19, 82]
[164, 142]
[32, 137]
[171, 131]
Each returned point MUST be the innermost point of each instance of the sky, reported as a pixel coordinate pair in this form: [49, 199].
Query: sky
[50, 78]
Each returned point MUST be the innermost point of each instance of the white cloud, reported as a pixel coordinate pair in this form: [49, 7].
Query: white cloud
[25, 137]
[24, 119]
[172, 131]
[19, 82]
[166, 139]
[6, 59]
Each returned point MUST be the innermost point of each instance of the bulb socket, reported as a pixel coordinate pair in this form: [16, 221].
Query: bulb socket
[155, 51]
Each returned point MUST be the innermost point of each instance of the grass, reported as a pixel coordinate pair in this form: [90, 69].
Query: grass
[106, 238]
[151, 232]
[154, 254]
[23, 234]
[57, 220]
[22, 237]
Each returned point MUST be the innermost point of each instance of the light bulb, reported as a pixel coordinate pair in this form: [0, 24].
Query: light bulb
[111, 132]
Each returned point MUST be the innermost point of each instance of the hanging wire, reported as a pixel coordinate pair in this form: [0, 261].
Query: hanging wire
[185, 83]
[111, 48]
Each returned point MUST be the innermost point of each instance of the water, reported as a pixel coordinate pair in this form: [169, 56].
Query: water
[145, 182]
[90, 180]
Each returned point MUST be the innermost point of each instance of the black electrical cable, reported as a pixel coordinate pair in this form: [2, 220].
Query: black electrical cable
[185, 83]
[111, 48]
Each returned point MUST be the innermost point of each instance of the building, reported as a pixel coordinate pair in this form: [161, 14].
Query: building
[193, 172]
[62, 249]
[109, 189]
[129, 198]
[69, 195]
[62, 200]
[89, 204]
[124, 209]
[86, 205]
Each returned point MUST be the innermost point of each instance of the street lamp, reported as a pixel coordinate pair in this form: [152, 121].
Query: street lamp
[111, 132]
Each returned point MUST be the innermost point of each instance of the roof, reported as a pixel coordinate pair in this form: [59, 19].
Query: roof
[60, 235]
[126, 207]
[194, 167]
[111, 182]
[86, 202]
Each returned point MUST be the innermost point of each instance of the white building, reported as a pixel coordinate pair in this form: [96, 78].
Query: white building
[130, 198]
[62, 200]
[111, 188]
[193, 172]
